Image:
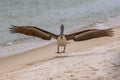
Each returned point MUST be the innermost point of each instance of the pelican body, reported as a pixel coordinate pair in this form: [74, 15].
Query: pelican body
[61, 38]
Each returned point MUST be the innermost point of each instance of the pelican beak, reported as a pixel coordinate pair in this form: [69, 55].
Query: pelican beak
[62, 30]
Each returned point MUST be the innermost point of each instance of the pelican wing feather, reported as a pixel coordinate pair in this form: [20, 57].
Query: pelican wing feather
[89, 34]
[33, 31]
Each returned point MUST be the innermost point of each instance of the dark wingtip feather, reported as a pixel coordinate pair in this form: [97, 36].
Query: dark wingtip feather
[12, 29]
[13, 26]
[110, 32]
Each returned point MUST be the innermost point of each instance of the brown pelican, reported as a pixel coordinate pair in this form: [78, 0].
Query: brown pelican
[61, 38]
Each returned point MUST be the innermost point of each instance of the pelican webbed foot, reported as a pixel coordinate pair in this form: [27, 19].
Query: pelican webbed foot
[60, 52]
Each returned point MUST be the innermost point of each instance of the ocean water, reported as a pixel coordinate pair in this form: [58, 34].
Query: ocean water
[50, 14]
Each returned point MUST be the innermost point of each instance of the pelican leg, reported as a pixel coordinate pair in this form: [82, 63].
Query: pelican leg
[58, 49]
[64, 49]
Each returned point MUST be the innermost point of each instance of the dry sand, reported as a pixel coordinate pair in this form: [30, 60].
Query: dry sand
[99, 63]
[95, 59]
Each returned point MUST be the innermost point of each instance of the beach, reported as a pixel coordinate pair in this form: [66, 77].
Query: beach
[31, 58]
[95, 59]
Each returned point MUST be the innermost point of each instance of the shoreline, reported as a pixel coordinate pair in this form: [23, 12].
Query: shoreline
[18, 47]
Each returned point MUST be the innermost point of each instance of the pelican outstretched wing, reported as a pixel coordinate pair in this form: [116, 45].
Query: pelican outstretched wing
[33, 31]
[89, 34]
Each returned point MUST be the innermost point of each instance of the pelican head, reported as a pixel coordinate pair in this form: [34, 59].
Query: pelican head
[62, 27]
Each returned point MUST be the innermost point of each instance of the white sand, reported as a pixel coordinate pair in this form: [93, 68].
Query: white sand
[99, 63]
